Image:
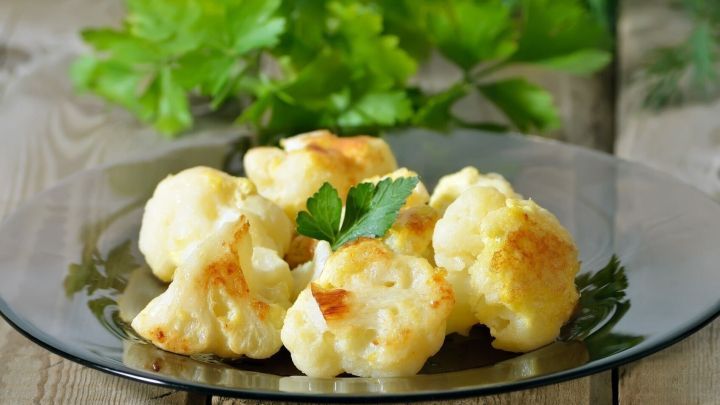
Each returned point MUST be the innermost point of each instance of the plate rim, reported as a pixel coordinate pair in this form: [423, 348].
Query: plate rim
[610, 362]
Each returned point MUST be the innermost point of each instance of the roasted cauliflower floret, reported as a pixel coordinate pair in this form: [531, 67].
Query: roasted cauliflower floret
[419, 196]
[289, 176]
[219, 302]
[188, 206]
[372, 312]
[519, 262]
[450, 187]
[412, 232]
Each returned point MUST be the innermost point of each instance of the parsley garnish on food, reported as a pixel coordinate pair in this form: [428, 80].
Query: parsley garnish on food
[601, 294]
[602, 304]
[370, 211]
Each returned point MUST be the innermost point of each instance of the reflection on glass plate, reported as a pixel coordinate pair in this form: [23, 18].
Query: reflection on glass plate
[74, 277]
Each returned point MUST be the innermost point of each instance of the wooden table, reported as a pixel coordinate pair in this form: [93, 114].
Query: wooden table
[601, 112]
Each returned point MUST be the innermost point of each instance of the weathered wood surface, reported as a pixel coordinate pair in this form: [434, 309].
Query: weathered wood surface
[683, 141]
[31, 374]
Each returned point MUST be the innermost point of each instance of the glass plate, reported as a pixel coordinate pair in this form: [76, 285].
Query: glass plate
[70, 265]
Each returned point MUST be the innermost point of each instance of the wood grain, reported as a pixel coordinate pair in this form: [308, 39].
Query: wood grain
[590, 390]
[34, 375]
[687, 373]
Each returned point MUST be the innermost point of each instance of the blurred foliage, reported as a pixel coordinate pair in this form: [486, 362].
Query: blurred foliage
[689, 70]
[347, 65]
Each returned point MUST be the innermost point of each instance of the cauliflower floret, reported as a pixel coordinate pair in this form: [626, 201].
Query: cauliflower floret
[290, 176]
[412, 232]
[419, 196]
[372, 312]
[451, 186]
[519, 262]
[188, 206]
[219, 302]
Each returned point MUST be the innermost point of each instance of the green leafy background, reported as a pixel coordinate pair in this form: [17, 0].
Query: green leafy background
[285, 67]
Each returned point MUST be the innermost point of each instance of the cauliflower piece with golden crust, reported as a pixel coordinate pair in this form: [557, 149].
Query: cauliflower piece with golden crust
[219, 302]
[372, 312]
[289, 176]
[188, 206]
[519, 262]
[450, 187]
[412, 232]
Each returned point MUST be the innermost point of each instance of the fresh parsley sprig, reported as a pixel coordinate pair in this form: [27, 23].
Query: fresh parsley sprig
[370, 211]
[603, 303]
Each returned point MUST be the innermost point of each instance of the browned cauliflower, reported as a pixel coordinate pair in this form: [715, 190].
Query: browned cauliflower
[188, 206]
[220, 302]
[513, 267]
[450, 187]
[289, 176]
[372, 312]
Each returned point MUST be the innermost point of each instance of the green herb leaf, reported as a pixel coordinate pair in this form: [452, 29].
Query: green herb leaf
[562, 34]
[525, 104]
[382, 108]
[468, 31]
[373, 218]
[602, 294]
[602, 305]
[252, 24]
[435, 111]
[322, 218]
[370, 211]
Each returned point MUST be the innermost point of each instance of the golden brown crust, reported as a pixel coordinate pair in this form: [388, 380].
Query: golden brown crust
[543, 256]
[332, 302]
[302, 249]
[447, 296]
[169, 341]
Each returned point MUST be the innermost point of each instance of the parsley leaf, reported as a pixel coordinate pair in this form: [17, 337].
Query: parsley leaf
[435, 111]
[525, 104]
[370, 211]
[562, 34]
[468, 31]
[322, 218]
[346, 65]
[602, 305]
[602, 296]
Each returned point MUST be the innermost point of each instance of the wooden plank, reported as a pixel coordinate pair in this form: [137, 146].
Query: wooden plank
[686, 373]
[34, 375]
[590, 390]
[683, 141]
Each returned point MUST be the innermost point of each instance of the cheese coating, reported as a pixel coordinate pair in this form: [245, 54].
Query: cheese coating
[372, 313]
[291, 175]
[188, 206]
[450, 187]
[220, 302]
[519, 262]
